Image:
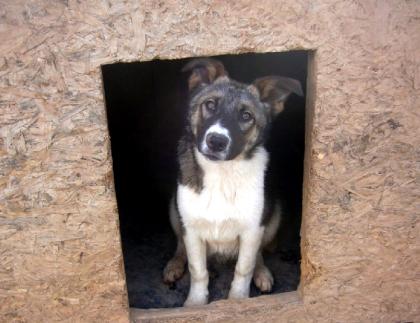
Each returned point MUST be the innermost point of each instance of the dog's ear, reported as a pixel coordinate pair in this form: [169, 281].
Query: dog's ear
[274, 91]
[203, 71]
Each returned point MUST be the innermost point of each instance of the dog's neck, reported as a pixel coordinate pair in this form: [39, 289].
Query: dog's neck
[246, 167]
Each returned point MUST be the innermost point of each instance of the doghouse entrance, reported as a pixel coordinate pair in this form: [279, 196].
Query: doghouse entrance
[146, 106]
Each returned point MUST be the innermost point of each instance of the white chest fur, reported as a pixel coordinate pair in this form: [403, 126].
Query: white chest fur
[232, 199]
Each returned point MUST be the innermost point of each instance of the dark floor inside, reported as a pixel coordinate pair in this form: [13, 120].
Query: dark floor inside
[146, 106]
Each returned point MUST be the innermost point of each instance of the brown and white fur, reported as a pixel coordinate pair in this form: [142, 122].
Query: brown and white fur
[221, 205]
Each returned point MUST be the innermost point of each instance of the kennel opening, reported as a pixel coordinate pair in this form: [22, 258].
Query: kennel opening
[146, 106]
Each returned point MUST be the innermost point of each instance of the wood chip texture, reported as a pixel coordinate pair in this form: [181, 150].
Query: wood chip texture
[60, 253]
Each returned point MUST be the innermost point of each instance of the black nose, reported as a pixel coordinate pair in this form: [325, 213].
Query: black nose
[217, 142]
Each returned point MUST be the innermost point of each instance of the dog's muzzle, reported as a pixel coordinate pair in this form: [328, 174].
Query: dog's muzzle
[217, 142]
[215, 146]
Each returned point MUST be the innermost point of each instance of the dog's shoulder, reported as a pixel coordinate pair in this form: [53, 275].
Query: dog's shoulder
[190, 172]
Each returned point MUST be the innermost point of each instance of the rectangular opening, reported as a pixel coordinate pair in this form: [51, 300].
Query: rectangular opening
[146, 107]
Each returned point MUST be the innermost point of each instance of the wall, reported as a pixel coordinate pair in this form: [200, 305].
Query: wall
[60, 257]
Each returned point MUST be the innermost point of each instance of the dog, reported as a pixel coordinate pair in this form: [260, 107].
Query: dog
[221, 205]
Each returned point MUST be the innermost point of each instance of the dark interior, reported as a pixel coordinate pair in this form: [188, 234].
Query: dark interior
[146, 106]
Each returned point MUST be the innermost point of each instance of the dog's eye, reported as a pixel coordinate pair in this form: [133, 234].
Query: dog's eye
[210, 105]
[246, 116]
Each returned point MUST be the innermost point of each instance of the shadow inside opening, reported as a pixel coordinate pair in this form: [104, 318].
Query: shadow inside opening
[146, 107]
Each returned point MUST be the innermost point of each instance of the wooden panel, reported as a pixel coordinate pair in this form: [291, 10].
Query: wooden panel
[60, 254]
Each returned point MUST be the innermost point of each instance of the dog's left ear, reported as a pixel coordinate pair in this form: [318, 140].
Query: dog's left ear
[274, 91]
[203, 71]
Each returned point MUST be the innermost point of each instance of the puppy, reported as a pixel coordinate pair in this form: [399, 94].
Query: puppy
[221, 205]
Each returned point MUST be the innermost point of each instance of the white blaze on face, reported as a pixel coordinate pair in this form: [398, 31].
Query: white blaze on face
[219, 129]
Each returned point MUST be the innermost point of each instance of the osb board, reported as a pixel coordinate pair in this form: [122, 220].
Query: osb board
[283, 307]
[60, 257]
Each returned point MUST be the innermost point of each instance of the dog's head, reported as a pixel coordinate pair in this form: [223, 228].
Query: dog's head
[228, 119]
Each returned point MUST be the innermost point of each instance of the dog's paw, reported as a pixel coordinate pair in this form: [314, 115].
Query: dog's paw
[238, 293]
[196, 300]
[263, 279]
[173, 271]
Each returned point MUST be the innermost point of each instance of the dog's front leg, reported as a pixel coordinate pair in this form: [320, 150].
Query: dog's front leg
[197, 265]
[249, 244]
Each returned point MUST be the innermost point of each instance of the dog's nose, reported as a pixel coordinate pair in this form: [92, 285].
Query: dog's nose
[217, 142]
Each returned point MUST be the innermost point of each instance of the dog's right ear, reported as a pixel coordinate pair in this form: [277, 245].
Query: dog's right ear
[203, 71]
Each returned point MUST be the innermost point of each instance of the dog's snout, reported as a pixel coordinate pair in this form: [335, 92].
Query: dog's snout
[217, 142]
